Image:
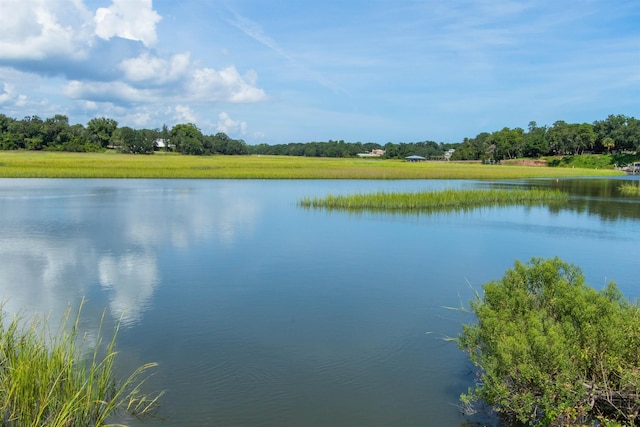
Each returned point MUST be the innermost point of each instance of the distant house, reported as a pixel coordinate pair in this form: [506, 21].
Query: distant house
[162, 143]
[374, 153]
[448, 153]
[415, 158]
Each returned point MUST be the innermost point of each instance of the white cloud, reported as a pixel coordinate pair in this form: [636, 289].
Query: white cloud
[154, 69]
[89, 105]
[9, 96]
[38, 29]
[7, 93]
[22, 100]
[225, 85]
[129, 19]
[185, 115]
[229, 126]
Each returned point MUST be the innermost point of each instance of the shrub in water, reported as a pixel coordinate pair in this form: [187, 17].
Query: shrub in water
[551, 350]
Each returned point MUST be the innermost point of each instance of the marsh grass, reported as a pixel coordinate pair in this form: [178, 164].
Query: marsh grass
[429, 201]
[48, 379]
[33, 164]
[630, 189]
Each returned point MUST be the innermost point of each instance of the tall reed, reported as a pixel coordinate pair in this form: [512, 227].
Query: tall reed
[47, 379]
[438, 200]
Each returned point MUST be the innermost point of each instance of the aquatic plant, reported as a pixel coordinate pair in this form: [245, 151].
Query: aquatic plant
[47, 379]
[550, 350]
[434, 200]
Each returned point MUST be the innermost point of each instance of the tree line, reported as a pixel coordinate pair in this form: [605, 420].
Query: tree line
[616, 133]
[101, 133]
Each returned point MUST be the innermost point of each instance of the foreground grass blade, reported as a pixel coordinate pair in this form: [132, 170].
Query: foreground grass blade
[46, 379]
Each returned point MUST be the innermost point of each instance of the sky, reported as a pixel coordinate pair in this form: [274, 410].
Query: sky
[281, 71]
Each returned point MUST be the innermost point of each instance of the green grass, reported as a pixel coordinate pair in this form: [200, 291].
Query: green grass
[630, 189]
[32, 164]
[434, 201]
[587, 161]
[47, 379]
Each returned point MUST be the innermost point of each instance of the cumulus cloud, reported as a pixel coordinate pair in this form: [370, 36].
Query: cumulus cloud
[129, 19]
[150, 78]
[7, 93]
[185, 115]
[147, 67]
[39, 29]
[101, 58]
[227, 85]
[229, 126]
[10, 96]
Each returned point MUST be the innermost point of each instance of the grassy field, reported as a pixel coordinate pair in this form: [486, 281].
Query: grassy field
[32, 164]
[434, 200]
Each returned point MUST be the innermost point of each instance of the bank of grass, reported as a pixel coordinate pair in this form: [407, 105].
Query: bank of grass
[587, 161]
[630, 189]
[444, 200]
[46, 379]
[32, 164]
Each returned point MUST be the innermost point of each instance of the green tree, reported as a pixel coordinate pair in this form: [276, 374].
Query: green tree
[132, 141]
[187, 139]
[508, 143]
[165, 136]
[551, 350]
[560, 138]
[100, 130]
[56, 131]
[536, 143]
[608, 143]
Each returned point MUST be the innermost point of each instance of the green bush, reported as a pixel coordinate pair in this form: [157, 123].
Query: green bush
[585, 161]
[550, 350]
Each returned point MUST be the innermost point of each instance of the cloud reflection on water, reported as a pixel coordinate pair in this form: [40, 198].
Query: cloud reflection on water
[55, 250]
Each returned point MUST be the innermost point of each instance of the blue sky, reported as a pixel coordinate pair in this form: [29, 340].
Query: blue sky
[285, 71]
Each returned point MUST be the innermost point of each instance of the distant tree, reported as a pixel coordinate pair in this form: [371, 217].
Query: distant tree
[508, 143]
[236, 147]
[187, 139]
[100, 130]
[632, 133]
[608, 143]
[560, 138]
[134, 141]
[535, 141]
[220, 142]
[165, 136]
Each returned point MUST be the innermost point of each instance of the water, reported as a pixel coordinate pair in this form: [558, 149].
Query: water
[261, 313]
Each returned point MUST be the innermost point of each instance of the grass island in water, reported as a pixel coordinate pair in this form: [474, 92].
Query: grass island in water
[435, 200]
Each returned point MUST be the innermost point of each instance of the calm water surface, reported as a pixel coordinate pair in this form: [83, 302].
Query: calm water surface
[262, 313]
